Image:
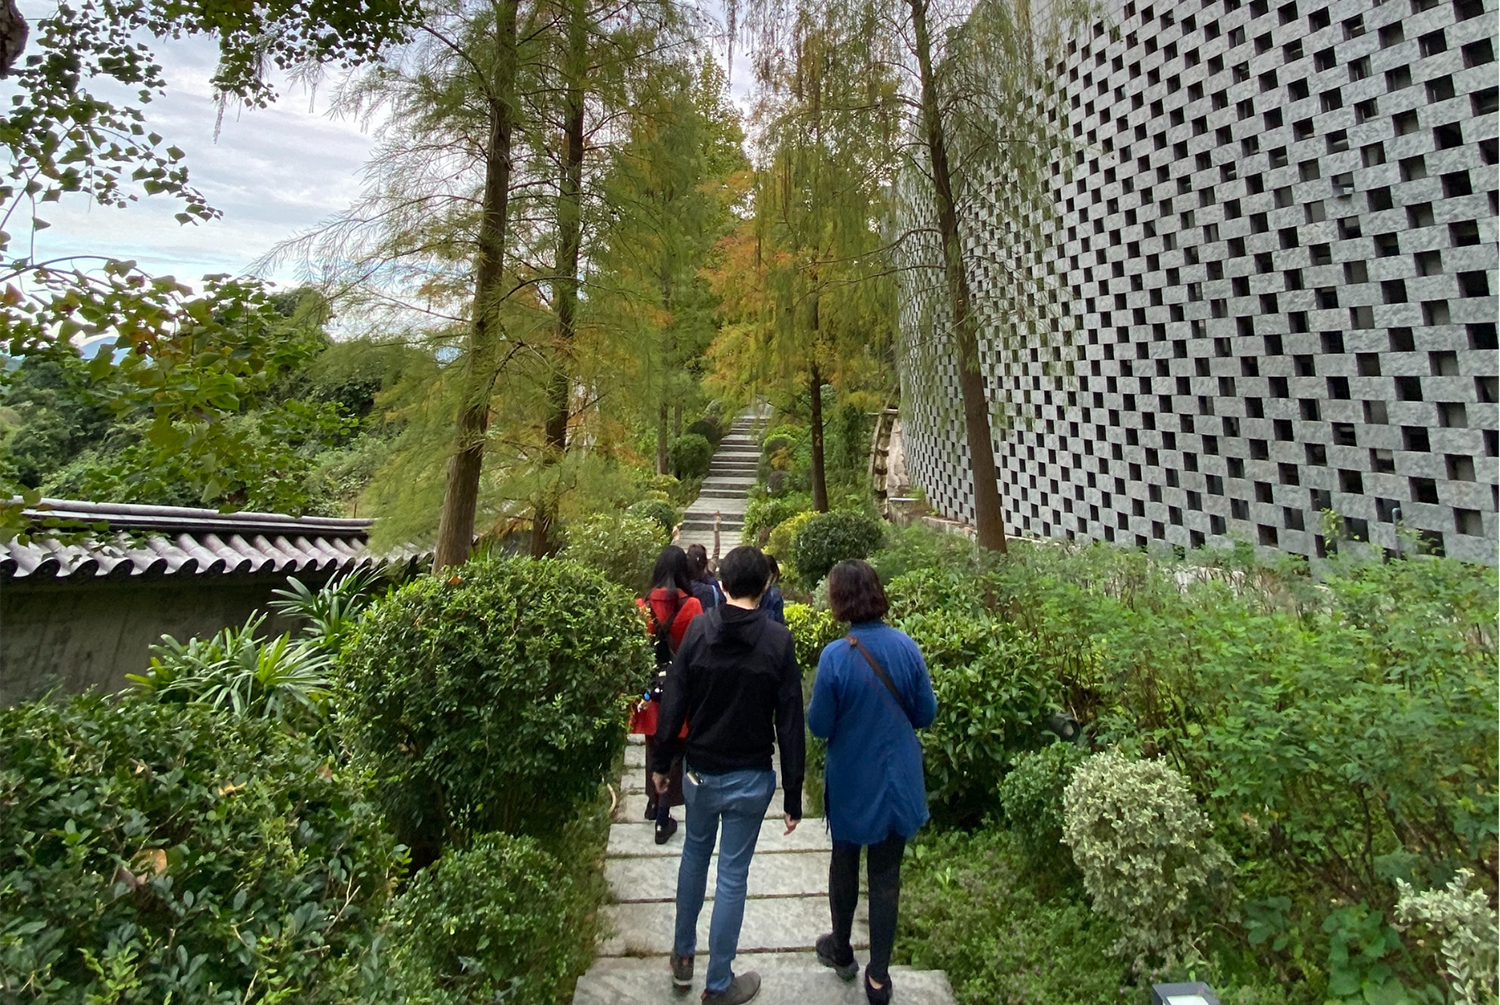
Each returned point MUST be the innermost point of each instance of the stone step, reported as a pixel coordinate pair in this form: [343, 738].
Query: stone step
[643, 880]
[772, 925]
[630, 840]
[631, 808]
[726, 526]
[786, 979]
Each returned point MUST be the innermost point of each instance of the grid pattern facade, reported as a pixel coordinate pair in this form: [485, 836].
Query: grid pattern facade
[1273, 264]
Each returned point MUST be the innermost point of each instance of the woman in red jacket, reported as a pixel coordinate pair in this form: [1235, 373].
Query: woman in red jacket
[670, 607]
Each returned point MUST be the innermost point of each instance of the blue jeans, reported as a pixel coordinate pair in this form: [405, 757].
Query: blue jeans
[740, 800]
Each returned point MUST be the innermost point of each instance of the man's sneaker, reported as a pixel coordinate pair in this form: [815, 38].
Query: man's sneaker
[682, 972]
[828, 956]
[665, 829]
[880, 995]
[741, 989]
[650, 811]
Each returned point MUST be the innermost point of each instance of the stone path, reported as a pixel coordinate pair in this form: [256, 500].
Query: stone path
[725, 490]
[786, 910]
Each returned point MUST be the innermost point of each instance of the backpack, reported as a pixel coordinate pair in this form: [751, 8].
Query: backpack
[661, 634]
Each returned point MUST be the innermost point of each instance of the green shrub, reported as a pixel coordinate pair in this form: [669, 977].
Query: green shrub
[622, 546]
[924, 591]
[830, 538]
[1032, 797]
[709, 428]
[1145, 851]
[690, 455]
[782, 542]
[658, 511]
[498, 921]
[919, 547]
[990, 703]
[968, 907]
[811, 630]
[765, 513]
[153, 852]
[492, 699]
[234, 670]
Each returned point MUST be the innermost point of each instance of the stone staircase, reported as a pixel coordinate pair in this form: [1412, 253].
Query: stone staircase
[721, 501]
[787, 909]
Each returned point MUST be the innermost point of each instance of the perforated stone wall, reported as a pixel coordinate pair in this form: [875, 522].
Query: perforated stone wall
[1275, 267]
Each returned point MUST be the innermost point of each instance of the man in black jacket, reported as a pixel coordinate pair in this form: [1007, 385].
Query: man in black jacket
[735, 680]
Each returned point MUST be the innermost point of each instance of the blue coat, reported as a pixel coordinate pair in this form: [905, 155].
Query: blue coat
[873, 780]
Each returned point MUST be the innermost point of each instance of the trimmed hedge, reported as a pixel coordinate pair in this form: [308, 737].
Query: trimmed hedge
[492, 699]
[491, 923]
[153, 852]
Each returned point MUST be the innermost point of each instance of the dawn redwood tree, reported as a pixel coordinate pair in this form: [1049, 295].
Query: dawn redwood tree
[961, 58]
[821, 306]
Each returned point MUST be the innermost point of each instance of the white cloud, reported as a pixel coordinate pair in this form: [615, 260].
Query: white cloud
[272, 172]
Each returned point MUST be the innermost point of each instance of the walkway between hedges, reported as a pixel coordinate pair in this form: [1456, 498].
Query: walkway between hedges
[786, 910]
[726, 489]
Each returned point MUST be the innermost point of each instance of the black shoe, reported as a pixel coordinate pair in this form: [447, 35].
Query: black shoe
[880, 995]
[741, 989]
[665, 829]
[650, 811]
[828, 956]
[682, 972]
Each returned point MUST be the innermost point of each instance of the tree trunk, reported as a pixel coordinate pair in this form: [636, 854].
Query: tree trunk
[819, 477]
[481, 363]
[677, 419]
[661, 440]
[565, 285]
[988, 519]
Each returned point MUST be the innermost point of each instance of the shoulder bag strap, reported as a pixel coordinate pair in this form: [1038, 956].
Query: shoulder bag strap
[880, 672]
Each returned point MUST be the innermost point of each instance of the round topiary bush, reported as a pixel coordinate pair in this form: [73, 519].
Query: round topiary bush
[658, 511]
[690, 455]
[491, 699]
[830, 538]
[496, 922]
[708, 427]
[175, 852]
[623, 546]
[1144, 847]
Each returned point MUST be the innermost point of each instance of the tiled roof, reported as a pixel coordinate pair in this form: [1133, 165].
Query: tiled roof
[122, 541]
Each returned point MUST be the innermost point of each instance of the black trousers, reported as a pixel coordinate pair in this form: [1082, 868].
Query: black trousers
[884, 868]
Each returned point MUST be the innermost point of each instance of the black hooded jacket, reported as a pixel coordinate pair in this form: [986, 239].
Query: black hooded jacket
[735, 681]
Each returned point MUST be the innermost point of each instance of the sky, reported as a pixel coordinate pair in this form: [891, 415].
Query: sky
[273, 172]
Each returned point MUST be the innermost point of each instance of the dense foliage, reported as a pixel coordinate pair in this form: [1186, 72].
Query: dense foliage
[498, 921]
[622, 546]
[492, 699]
[1338, 731]
[251, 408]
[154, 853]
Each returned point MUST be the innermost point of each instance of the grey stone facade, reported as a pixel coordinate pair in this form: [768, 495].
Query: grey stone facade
[1272, 271]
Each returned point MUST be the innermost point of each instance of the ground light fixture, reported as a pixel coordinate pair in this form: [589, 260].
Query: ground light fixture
[1191, 993]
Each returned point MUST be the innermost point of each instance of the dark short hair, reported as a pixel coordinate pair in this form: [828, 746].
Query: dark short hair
[671, 570]
[775, 571]
[855, 593]
[743, 572]
[697, 557]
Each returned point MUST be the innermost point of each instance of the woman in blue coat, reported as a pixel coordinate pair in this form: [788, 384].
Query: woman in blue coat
[871, 695]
